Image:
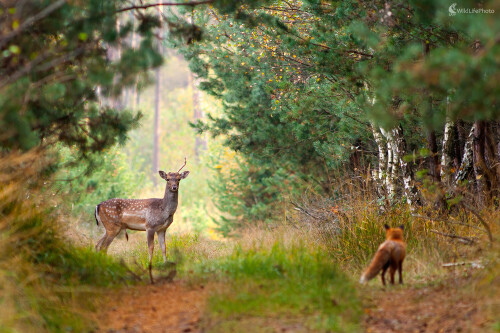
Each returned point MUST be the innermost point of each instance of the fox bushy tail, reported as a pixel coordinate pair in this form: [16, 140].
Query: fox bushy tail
[381, 258]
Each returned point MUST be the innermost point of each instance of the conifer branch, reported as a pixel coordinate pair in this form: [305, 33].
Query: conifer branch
[45, 12]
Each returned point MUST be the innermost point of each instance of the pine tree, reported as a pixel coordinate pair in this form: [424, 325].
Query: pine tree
[57, 79]
[309, 82]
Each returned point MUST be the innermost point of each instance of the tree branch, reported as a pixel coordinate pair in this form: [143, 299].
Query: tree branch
[45, 12]
[466, 240]
[189, 3]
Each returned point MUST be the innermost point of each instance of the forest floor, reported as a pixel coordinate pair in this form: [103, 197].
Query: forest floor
[162, 307]
[444, 304]
[441, 307]
[178, 307]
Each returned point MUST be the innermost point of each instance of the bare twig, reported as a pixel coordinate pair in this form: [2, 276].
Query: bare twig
[475, 264]
[463, 239]
[189, 3]
[483, 222]
[300, 209]
[131, 272]
[446, 221]
[45, 12]
[31, 66]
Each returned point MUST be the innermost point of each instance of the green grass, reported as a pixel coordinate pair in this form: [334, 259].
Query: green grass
[281, 284]
[267, 282]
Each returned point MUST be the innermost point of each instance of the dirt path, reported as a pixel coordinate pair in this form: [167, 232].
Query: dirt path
[449, 306]
[166, 307]
[440, 308]
[176, 307]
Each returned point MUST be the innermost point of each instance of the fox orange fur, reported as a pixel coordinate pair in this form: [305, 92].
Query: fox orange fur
[390, 254]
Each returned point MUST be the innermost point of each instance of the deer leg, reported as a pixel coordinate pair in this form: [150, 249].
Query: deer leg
[163, 248]
[99, 243]
[151, 245]
[109, 238]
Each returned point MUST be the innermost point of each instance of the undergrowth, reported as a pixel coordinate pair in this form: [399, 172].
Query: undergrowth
[263, 277]
[46, 283]
[281, 283]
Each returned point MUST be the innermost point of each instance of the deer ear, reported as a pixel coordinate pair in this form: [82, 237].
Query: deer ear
[402, 227]
[184, 174]
[386, 227]
[163, 174]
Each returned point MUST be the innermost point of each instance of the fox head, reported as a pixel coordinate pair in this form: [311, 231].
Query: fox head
[394, 233]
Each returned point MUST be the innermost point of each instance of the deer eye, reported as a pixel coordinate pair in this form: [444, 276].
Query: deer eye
[168, 180]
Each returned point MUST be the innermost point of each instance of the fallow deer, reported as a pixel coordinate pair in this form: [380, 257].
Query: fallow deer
[150, 215]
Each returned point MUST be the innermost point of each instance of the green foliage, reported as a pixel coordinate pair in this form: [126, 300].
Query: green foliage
[56, 71]
[111, 177]
[246, 194]
[300, 82]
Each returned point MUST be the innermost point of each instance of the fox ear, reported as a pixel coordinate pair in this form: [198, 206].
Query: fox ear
[402, 227]
[386, 227]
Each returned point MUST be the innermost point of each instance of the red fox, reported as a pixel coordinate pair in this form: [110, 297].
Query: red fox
[390, 254]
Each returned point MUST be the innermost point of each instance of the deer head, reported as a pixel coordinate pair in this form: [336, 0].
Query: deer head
[173, 178]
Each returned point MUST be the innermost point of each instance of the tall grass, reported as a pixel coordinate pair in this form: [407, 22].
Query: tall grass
[283, 283]
[46, 283]
[350, 227]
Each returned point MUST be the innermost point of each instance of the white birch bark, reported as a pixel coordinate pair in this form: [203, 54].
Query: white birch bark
[410, 189]
[397, 144]
[446, 160]
[466, 165]
[391, 173]
[382, 153]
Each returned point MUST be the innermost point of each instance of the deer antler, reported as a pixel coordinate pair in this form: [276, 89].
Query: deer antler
[182, 165]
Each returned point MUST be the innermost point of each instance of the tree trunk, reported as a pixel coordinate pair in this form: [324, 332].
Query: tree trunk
[156, 121]
[481, 170]
[398, 144]
[382, 153]
[447, 153]
[117, 100]
[467, 159]
[433, 159]
[392, 166]
[199, 144]
[156, 128]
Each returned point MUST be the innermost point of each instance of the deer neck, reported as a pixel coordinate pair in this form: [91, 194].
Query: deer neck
[170, 200]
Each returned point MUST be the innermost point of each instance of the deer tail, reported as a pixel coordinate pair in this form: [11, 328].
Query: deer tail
[97, 218]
